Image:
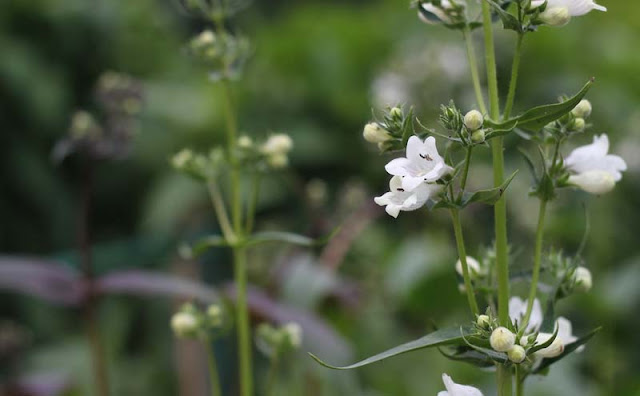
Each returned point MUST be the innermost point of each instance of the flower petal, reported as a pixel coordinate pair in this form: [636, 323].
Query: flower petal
[398, 167]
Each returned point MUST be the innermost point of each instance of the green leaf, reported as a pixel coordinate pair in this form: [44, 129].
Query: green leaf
[544, 344]
[536, 118]
[449, 336]
[202, 245]
[287, 237]
[568, 349]
[490, 196]
[469, 356]
[509, 21]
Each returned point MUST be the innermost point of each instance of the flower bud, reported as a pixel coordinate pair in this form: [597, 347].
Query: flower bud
[293, 333]
[583, 279]
[578, 124]
[184, 324]
[245, 142]
[516, 354]
[595, 182]
[583, 109]
[278, 161]
[214, 314]
[483, 321]
[374, 133]
[431, 14]
[555, 349]
[182, 159]
[478, 136]
[473, 120]
[502, 339]
[277, 144]
[475, 269]
[556, 16]
[396, 112]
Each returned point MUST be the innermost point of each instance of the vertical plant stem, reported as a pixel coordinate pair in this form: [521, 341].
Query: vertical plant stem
[272, 375]
[519, 387]
[253, 202]
[500, 209]
[473, 66]
[221, 211]
[457, 228]
[213, 368]
[91, 321]
[514, 77]
[242, 321]
[239, 252]
[537, 258]
[465, 171]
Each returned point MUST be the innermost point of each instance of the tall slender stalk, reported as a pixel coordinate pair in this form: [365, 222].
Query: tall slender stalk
[272, 375]
[457, 227]
[214, 378]
[500, 209]
[514, 77]
[239, 253]
[473, 66]
[537, 254]
[100, 375]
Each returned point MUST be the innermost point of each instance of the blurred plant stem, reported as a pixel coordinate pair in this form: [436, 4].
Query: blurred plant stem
[239, 252]
[471, 297]
[473, 66]
[272, 375]
[500, 209]
[213, 368]
[519, 383]
[92, 324]
[536, 262]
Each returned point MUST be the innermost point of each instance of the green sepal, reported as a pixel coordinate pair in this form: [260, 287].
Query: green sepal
[448, 336]
[568, 349]
[509, 21]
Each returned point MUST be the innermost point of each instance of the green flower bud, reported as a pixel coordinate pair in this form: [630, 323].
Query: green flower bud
[473, 120]
[245, 142]
[478, 136]
[184, 324]
[556, 16]
[578, 124]
[214, 315]
[396, 113]
[374, 133]
[293, 334]
[583, 109]
[182, 159]
[583, 279]
[502, 339]
[278, 161]
[483, 321]
[516, 354]
[277, 144]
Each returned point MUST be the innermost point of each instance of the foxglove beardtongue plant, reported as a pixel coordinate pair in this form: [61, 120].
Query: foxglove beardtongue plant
[515, 335]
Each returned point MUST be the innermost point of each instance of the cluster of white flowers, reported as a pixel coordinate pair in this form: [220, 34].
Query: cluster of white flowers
[415, 177]
[276, 149]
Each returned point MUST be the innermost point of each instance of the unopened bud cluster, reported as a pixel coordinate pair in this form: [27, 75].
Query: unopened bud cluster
[199, 166]
[222, 53]
[389, 132]
[192, 323]
[273, 340]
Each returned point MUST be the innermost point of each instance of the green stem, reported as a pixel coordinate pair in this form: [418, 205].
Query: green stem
[457, 228]
[213, 368]
[473, 66]
[242, 321]
[221, 212]
[465, 172]
[519, 387]
[490, 58]
[504, 380]
[253, 201]
[272, 375]
[514, 77]
[537, 255]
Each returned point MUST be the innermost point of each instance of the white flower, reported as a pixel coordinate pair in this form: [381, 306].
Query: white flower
[593, 169]
[575, 7]
[454, 389]
[475, 269]
[518, 309]
[293, 332]
[502, 339]
[438, 12]
[422, 165]
[184, 324]
[565, 336]
[397, 199]
[277, 144]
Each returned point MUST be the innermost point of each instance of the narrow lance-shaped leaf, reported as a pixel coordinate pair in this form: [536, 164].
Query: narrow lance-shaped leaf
[509, 21]
[490, 196]
[449, 336]
[568, 349]
[288, 237]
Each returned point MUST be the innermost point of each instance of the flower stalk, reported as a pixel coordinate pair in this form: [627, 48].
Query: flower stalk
[473, 66]
[537, 258]
[471, 297]
[214, 378]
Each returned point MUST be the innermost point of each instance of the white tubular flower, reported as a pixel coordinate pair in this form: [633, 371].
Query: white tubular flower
[518, 309]
[454, 389]
[277, 144]
[422, 165]
[475, 269]
[574, 7]
[583, 279]
[502, 339]
[565, 336]
[398, 199]
[594, 170]
[439, 13]
[556, 16]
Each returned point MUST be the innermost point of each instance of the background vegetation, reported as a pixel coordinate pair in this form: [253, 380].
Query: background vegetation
[318, 69]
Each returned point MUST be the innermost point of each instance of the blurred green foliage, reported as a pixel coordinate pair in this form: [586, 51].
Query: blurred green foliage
[318, 69]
